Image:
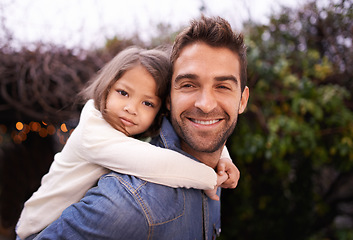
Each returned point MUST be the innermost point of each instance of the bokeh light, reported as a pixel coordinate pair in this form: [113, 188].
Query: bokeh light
[51, 130]
[35, 126]
[63, 127]
[3, 129]
[43, 129]
[19, 126]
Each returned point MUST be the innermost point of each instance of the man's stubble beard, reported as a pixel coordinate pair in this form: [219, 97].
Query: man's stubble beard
[187, 137]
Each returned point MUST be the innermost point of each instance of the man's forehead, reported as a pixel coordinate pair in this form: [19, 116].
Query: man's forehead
[195, 46]
[201, 60]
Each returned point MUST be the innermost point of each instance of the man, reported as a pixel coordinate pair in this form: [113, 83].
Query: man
[207, 93]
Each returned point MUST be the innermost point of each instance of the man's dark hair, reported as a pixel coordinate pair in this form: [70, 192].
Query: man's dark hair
[216, 32]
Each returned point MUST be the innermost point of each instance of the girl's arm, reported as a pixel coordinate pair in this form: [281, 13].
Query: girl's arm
[101, 144]
[226, 165]
[227, 175]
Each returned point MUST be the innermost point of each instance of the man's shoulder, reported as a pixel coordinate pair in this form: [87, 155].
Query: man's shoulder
[159, 204]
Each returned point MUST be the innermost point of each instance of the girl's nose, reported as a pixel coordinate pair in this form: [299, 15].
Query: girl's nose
[130, 108]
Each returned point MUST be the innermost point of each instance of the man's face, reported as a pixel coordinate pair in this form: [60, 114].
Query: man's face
[205, 97]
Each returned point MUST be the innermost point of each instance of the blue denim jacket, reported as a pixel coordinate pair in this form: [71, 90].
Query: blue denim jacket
[126, 207]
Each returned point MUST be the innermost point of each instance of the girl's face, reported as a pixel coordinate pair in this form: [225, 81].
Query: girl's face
[133, 100]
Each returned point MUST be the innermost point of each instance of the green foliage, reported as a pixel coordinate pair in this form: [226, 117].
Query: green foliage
[165, 35]
[294, 146]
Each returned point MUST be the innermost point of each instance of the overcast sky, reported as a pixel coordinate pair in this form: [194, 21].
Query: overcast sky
[89, 22]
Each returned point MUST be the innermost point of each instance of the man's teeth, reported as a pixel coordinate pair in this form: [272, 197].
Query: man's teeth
[205, 122]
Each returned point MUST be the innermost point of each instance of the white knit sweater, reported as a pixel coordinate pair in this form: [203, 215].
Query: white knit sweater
[92, 149]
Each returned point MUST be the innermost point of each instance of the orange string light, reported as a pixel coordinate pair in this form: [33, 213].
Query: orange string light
[63, 127]
[19, 126]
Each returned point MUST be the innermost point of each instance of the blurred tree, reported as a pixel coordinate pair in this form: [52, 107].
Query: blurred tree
[165, 35]
[295, 149]
[39, 86]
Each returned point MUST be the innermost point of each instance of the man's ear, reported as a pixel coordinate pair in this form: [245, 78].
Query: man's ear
[167, 104]
[244, 100]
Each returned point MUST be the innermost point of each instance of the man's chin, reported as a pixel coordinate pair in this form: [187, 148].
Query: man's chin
[204, 145]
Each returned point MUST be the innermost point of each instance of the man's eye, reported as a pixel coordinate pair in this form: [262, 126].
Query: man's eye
[187, 85]
[148, 104]
[122, 92]
[223, 87]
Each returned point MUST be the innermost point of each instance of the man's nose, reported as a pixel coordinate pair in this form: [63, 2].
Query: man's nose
[206, 100]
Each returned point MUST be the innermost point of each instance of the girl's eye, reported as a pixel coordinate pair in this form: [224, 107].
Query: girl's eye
[122, 92]
[148, 104]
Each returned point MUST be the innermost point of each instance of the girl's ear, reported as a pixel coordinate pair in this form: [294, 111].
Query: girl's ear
[244, 100]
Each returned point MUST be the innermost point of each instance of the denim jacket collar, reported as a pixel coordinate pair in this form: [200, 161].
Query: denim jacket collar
[168, 138]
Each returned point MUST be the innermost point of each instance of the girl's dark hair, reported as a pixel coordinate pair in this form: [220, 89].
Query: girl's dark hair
[157, 63]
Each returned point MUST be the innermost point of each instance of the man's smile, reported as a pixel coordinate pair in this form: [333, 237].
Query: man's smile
[204, 122]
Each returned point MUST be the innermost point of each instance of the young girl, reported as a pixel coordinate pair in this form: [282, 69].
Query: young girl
[127, 94]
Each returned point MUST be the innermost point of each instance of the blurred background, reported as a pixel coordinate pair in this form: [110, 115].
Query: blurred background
[293, 145]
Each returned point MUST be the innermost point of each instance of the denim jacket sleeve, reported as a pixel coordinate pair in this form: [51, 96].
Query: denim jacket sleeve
[106, 212]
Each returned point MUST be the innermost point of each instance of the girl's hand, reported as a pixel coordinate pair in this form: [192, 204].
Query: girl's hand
[225, 165]
[213, 193]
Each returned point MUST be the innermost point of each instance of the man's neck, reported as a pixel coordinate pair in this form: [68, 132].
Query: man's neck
[210, 159]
